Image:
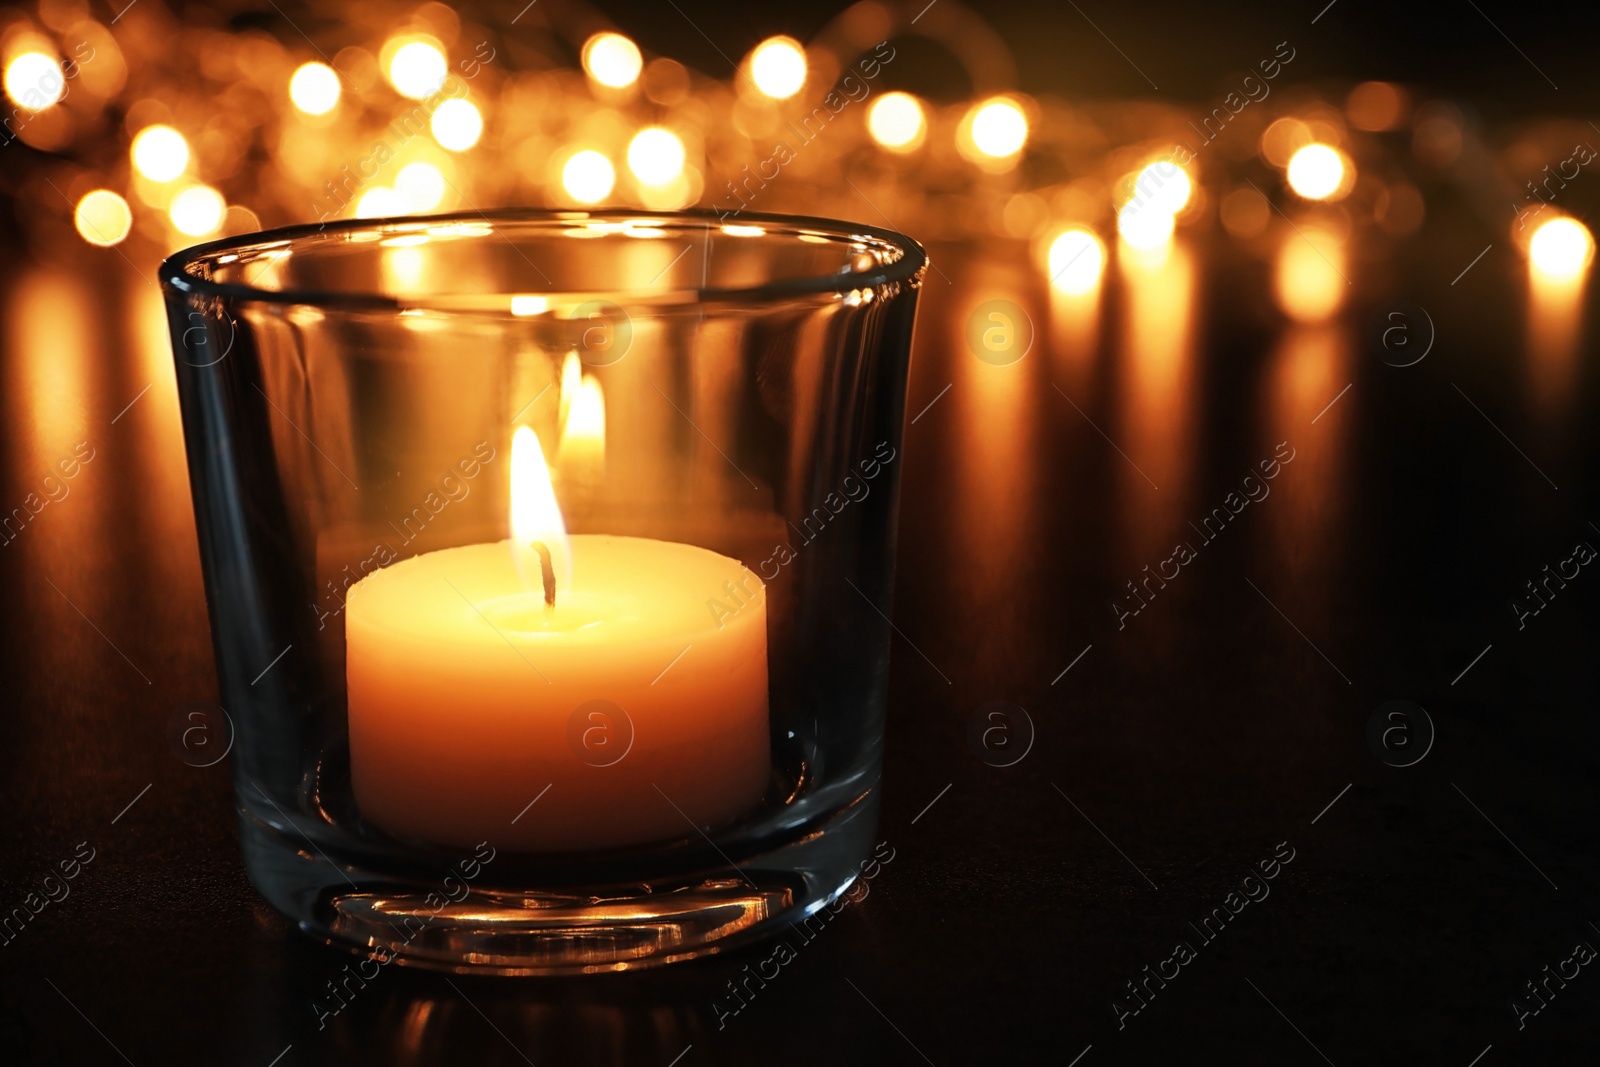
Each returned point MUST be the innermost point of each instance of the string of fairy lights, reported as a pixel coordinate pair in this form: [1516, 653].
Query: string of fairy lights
[254, 130]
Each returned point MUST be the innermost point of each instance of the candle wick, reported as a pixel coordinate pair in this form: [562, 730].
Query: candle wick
[547, 571]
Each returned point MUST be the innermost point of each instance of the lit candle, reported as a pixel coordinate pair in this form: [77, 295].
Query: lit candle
[482, 674]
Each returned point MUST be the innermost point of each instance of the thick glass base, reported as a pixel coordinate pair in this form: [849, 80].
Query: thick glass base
[567, 929]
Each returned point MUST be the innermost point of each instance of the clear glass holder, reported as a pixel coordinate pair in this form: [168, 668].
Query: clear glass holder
[549, 558]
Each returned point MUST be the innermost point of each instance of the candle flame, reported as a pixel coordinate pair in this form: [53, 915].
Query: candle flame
[535, 515]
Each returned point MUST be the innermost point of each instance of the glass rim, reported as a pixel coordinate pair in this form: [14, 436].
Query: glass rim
[908, 268]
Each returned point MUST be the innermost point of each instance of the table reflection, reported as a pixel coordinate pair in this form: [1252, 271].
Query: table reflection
[1156, 398]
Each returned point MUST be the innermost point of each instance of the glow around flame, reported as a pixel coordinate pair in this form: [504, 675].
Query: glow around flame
[535, 516]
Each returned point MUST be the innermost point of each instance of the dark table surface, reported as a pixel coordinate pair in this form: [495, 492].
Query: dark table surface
[1225, 724]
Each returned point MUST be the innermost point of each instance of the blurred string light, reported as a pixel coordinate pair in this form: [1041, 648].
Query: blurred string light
[896, 121]
[778, 67]
[588, 177]
[160, 153]
[197, 210]
[1316, 172]
[103, 218]
[998, 128]
[1076, 261]
[1561, 249]
[656, 156]
[1282, 139]
[34, 81]
[457, 125]
[1143, 226]
[561, 140]
[314, 88]
[611, 59]
[417, 69]
[422, 184]
[1376, 106]
[1164, 186]
[1155, 197]
[381, 201]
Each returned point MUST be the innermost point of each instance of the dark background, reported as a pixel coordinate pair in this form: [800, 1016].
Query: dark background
[1227, 718]
[1192, 50]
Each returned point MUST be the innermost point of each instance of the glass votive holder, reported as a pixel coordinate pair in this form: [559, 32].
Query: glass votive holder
[549, 557]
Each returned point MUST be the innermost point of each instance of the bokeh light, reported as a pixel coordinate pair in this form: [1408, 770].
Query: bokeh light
[896, 121]
[1376, 106]
[1309, 283]
[417, 69]
[1282, 139]
[612, 59]
[197, 210]
[103, 218]
[34, 80]
[778, 67]
[1561, 248]
[1076, 261]
[381, 202]
[457, 125]
[999, 129]
[422, 184]
[314, 88]
[1163, 186]
[1143, 226]
[655, 156]
[1316, 171]
[160, 153]
[588, 177]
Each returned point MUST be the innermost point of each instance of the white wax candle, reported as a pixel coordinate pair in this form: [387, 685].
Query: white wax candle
[467, 696]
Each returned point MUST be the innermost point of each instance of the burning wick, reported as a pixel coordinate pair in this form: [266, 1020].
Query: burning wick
[547, 572]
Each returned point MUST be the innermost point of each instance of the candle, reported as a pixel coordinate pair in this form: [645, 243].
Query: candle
[470, 693]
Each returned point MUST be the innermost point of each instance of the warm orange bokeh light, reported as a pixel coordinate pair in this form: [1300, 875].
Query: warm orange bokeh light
[897, 122]
[1561, 248]
[778, 67]
[1077, 259]
[1309, 282]
[612, 59]
[103, 218]
[999, 129]
[1319, 172]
